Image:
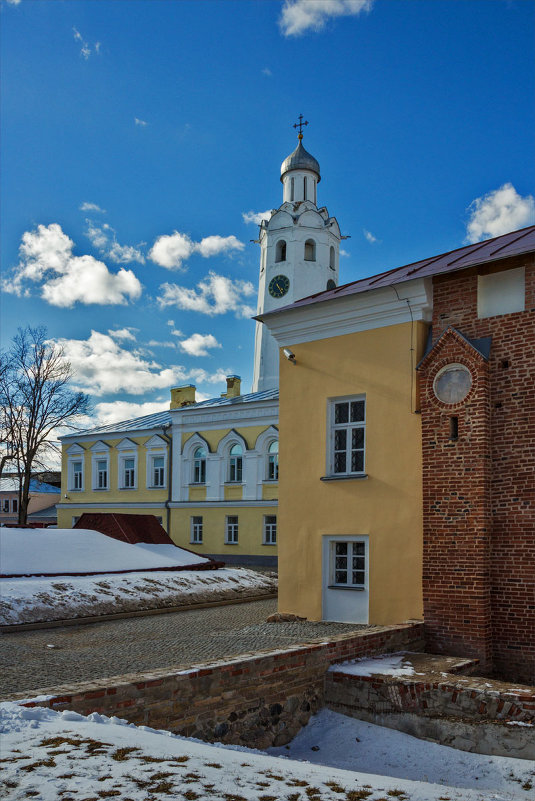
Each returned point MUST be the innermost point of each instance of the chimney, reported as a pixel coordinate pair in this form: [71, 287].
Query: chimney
[233, 387]
[182, 396]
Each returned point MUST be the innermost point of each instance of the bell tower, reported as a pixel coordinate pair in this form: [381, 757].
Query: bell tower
[299, 253]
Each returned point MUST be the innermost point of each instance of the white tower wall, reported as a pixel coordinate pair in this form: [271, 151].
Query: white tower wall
[307, 268]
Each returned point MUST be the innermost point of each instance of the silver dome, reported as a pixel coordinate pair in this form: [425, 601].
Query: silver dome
[300, 159]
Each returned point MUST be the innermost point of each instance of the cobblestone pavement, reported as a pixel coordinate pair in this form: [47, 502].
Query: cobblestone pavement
[176, 639]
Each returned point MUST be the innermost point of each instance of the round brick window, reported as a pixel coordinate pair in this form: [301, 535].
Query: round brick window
[453, 383]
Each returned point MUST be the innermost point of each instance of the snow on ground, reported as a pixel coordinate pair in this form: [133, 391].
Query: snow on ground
[49, 755]
[386, 665]
[344, 742]
[28, 600]
[30, 551]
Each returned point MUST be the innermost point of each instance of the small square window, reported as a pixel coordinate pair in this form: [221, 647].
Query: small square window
[348, 564]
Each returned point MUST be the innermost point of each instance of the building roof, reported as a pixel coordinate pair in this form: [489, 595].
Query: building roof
[500, 247]
[300, 159]
[163, 419]
[11, 484]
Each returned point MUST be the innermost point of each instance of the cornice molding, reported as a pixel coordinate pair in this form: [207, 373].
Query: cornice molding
[349, 314]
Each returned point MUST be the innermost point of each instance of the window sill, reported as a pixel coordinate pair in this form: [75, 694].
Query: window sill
[340, 587]
[231, 543]
[192, 542]
[197, 484]
[100, 489]
[234, 484]
[343, 477]
[270, 481]
[127, 489]
[157, 488]
[270, 544]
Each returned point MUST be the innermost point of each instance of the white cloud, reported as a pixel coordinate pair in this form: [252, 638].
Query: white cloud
[91, 207]
[104, 237]
[142, 123]
[299, 16]
[256, 216]
[85, 49]
[122, 334]
[170, 251]
[108, 413]
[46, 258]
[499, 212]
[171, 323]
[156, 343]
[266, 71]
[176, 333]
[202, 377]
[344, 253]
[101, 366]
[198, 344]
[216, 294]
[214, 245]
[369, 236]
[13, 2]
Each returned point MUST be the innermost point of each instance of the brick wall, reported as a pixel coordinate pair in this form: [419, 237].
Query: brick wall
[479, 491]
[257, 701]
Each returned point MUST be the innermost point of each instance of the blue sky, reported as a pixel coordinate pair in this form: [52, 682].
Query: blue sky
[136, 134]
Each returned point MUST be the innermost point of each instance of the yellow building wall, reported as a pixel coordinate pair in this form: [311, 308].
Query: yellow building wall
[233, 493]
[142, 494]
[386, 506]
[250, 531]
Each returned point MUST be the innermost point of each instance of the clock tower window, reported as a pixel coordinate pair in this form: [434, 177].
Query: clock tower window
[310, 250]
[280, 251]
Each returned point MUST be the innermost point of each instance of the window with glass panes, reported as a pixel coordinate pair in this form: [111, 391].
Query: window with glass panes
[15, 505]
[102, 474]
[348, 436]
[273, 461]
[270, 529]
[158, 471]
[236, 463]
[348, 564]
[77, 475]
[199, 466]
[231, 529]
[129, 475]
[196, 529]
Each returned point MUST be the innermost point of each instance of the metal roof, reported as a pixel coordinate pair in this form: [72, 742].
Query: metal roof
[162, 419]
[501, 247]
[300, 159]
[11, 484]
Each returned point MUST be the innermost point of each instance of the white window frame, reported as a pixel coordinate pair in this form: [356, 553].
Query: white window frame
[100, 452]
[126, 450]
[75, 455]
[270, 530]
[197, 470]
[349, 542]
[157, 478]
[156, 449]
[196, 529]
[235, 464]
[272, 458]
[231, 529]
[348, 427]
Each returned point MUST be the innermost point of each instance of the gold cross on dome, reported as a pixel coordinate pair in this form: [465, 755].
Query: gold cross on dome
[300, 125]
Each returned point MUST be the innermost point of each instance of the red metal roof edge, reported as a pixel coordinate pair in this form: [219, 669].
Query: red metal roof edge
[330, 294]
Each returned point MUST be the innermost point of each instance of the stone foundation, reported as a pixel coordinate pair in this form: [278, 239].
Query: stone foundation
[255, 700]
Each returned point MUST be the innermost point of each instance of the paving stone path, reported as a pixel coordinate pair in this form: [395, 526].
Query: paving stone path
[176, 639]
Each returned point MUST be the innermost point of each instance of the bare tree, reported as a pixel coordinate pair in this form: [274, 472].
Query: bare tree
[35, 401]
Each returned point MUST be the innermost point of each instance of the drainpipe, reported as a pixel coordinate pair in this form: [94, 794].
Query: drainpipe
[169, 440]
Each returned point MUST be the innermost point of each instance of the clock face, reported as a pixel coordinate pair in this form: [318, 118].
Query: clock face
[279, 286]
[453, 383]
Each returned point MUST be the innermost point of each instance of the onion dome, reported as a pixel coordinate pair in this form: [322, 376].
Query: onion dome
[300, 159]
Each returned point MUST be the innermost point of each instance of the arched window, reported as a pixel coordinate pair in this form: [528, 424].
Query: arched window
[310, 250]
[273, 461]
[331, 284]
[332, 258]
[236, 463]
[292, 190]
[305, 188]
[280, 250]
[315, 201]
[199, 466]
